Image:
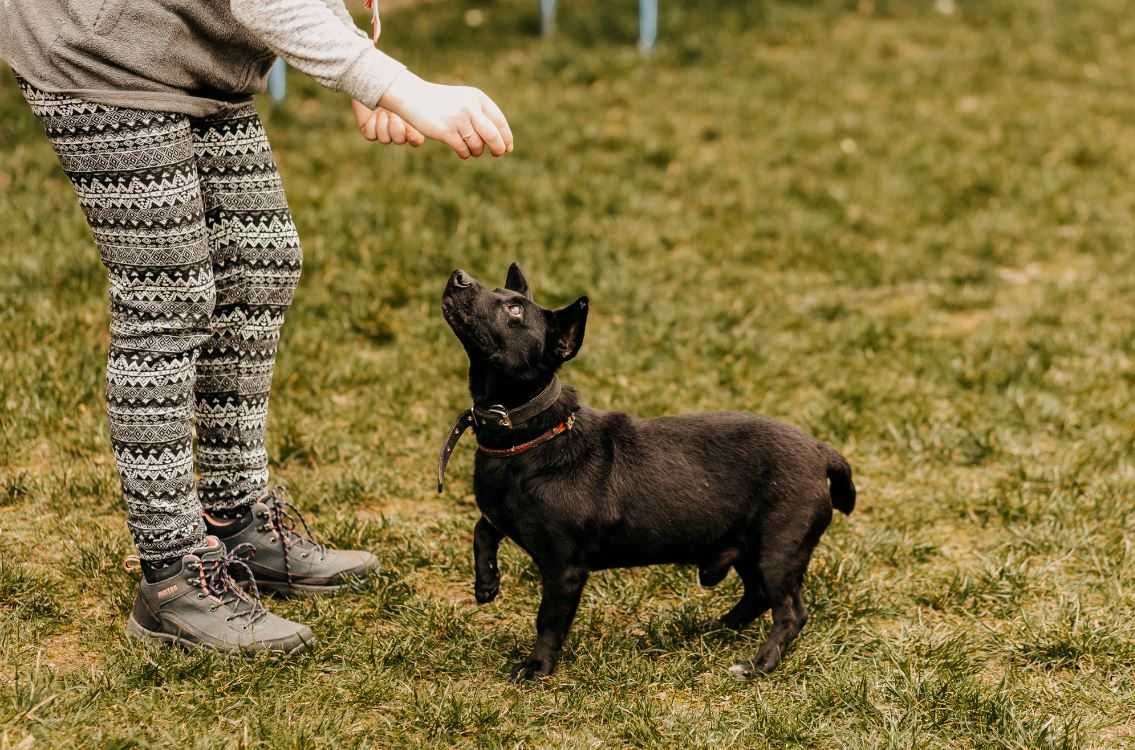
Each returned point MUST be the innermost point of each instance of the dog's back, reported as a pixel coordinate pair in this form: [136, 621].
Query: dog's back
[676, 489]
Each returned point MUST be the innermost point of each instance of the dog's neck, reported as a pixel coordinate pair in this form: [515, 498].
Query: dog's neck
[489, 389]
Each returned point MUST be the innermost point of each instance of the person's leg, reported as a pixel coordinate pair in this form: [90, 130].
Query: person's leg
[135, 176]
[256, 262]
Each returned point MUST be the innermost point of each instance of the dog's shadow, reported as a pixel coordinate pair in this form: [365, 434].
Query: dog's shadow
[660, 610]
[630, 618]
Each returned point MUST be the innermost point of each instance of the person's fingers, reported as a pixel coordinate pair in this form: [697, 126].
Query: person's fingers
[364, 119]
[472, 139]
[458, 144]
[497, 116]
[489, 134]
[372, 128]
[414, 136]
[397, 129]
[382, 126]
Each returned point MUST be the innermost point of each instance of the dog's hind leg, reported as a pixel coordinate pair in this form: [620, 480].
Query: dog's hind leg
[801, 612]
[785, 627]
[782, 570]
[753, 602]
[486, 542]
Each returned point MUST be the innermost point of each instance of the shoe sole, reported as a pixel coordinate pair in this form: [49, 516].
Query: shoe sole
[136, 631]
[285, 589]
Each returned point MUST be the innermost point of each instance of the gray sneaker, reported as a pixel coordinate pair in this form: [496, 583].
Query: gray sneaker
[287, 562]
[203, 606]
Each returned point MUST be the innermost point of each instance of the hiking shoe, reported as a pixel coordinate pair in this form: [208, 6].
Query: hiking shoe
[287, 562]
[203, 606]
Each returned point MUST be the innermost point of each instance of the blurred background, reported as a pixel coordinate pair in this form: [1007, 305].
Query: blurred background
[904, 225]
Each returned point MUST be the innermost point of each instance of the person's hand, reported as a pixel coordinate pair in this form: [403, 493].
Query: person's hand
[461, 117]
[380, 124]
[384, 126]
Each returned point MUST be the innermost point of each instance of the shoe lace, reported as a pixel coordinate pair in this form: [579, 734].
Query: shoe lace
[282, 518]
[215, 579]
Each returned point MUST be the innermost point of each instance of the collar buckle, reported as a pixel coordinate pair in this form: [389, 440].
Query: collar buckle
[498, 413]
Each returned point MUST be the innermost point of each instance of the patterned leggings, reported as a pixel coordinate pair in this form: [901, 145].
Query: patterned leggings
[191, 222]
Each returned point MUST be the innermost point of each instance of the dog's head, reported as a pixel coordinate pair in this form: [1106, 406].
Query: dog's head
[513, 344]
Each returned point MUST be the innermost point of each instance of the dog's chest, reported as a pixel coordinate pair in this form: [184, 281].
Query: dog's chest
[493, 494]
[506, 506]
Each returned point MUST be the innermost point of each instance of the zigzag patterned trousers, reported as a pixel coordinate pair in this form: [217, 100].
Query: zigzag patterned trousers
[191, 222]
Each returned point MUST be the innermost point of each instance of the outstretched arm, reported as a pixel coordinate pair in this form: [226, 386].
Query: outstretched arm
[318, 41]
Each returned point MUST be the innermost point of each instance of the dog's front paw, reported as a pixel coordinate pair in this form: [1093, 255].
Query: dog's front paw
[486, 591]
[532, 668]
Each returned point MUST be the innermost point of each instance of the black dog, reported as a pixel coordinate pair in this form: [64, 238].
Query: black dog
[582, 490]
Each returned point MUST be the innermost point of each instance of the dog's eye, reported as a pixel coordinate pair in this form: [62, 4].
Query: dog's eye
[514, 310]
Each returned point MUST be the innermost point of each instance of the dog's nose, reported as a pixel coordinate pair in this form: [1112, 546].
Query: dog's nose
[462, 279]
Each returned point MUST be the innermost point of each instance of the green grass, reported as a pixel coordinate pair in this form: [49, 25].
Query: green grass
[907, 232]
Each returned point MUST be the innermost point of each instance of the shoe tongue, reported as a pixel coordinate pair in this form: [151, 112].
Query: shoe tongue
[259, 507]
[210, 549]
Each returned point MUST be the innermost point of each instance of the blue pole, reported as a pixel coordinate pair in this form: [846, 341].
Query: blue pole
[647, 25]
[277, 81]
[548, 17]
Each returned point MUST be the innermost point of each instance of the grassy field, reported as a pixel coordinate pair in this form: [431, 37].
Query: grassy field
[907, 231]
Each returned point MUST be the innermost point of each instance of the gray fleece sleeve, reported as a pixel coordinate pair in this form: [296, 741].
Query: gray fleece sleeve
[321, 42]
[339, 8]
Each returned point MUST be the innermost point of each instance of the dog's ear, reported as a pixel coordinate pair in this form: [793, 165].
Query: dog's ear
[516, 281]
[570, 322]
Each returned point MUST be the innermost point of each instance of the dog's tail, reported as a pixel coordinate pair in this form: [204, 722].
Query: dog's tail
[842, 488]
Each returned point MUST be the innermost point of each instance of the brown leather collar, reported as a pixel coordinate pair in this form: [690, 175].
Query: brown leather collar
[500, 416]
[516, 450]
[474, 416]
